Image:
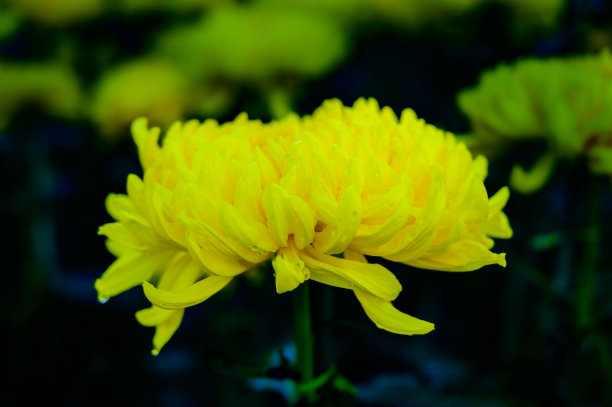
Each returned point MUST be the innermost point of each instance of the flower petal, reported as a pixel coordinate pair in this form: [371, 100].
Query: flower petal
[412, 241]
[463, 255]
[147, 141]
[130, 271]
[251, 234]
[499, 227]
[153, 316]
[330, 270]
[217, 253]
[192, 295]
[180, 273]
[528, 182]
[389, 318]
[288, 214]
[166, 330]
[342, 229]
[119, 233]
[372, 236]
[289, 269]
[247, 197]
[117, 204]
[498, 201]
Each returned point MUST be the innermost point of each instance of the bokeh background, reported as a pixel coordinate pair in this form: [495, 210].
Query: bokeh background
[74, 74]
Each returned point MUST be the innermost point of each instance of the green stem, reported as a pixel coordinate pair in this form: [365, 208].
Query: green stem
[588, 270]
[303, 331]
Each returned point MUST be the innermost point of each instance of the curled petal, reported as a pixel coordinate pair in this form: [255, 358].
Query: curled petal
[117, 204]
[154, 315]
[119, 233]
[180, 273]
[247, 198]
[389, 318]
[498, 226]
[380, 207]
[130, 271]
[289, 269]
[372, 278]
[354, 256]
[528, 182]
[373, 236]
[147, 141]
[288, 214]
[190, 296]
[166, 329]
[498, 201]
[249, 233]
[341, 230]
[217, 253]
[463, 255]
[414, 240]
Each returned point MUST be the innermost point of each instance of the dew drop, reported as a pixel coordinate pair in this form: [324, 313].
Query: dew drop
[102, 300]
[154, 352]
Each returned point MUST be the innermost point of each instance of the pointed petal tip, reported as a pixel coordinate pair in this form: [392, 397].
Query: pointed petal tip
[385, 316]
[502, 259]
[102, 296]
[139, 123]
[188, 297]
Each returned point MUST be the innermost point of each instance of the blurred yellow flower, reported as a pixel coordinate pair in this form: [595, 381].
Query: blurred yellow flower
[258, 43]
[145, 87]
[565, 101]
[139, 6]
[528, 14]
[58, 12]
[52, 87]
[419, 13]
[313, 195]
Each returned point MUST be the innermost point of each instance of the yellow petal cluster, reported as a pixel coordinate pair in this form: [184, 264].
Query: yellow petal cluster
[313, 195]
[565, 101]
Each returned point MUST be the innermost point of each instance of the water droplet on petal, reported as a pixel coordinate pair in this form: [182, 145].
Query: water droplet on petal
[102, 300]
[154, 352]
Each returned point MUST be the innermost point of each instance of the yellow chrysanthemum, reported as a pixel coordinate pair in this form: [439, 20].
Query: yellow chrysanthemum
[565, 101]
[217, 200]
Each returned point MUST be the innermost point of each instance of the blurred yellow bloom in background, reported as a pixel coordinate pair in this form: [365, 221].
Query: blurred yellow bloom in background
[565, 101]
[266, 48]
[148, 87]
[313, 195]
[217, 49]
[50, 86]
[58, 12]
[139, 6]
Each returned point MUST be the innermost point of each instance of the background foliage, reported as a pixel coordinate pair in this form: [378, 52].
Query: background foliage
[72, 78]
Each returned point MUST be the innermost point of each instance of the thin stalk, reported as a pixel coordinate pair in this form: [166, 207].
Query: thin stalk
[303, 332]
[588, 270]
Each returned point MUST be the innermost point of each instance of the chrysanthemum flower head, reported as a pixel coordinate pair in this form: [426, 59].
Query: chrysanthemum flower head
[565, 101]
[313, 195]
